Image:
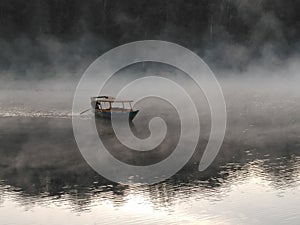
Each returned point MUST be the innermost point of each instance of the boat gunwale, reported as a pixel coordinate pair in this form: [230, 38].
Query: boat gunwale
[108, 100]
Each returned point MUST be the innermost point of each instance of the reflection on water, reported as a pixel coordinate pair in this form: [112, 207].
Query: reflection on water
[44, 180]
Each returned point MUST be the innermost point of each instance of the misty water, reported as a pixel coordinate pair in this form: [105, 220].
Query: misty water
[255, 178]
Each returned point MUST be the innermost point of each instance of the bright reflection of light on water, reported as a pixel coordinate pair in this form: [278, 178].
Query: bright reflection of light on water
[249, 201]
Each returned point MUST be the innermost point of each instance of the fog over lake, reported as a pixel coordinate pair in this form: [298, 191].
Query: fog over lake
[45, 179]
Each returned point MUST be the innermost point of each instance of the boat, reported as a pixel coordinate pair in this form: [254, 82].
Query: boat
[107, 106]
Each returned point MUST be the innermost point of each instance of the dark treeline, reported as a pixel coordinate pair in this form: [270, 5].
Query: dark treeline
[227, 32]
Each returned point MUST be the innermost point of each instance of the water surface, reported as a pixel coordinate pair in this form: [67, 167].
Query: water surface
[44, 180]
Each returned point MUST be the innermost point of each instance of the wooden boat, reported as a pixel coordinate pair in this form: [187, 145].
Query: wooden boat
[106, 106]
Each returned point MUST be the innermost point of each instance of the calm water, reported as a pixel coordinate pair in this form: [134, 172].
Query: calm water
[44, 179]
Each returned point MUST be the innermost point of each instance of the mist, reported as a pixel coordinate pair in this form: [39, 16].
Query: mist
[46, 46]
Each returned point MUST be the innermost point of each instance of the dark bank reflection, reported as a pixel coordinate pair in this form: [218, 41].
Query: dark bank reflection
[40, 162]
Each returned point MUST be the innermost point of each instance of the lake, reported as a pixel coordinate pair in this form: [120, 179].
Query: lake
[255, 178]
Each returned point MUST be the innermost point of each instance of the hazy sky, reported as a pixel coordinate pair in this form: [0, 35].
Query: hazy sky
[60, 38]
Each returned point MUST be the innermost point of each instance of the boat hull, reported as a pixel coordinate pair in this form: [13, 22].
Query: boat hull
[108, 114]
